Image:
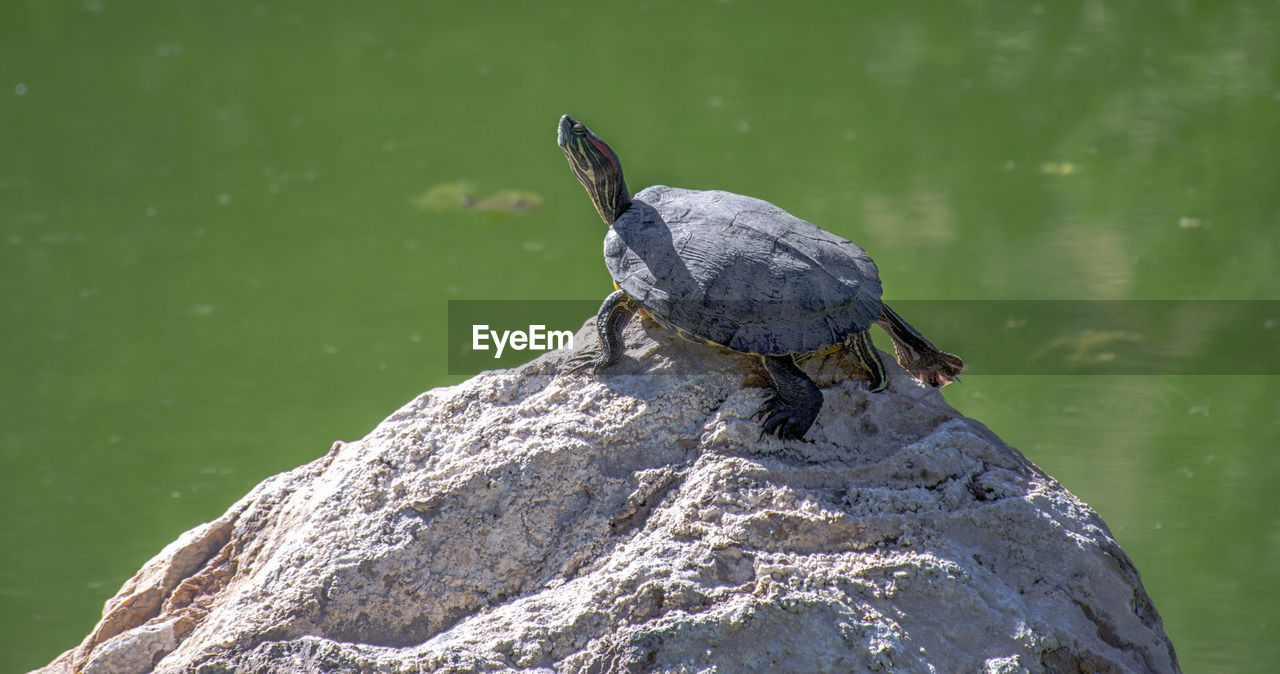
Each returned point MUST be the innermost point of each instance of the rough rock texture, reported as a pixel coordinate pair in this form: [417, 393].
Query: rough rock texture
[635, 522]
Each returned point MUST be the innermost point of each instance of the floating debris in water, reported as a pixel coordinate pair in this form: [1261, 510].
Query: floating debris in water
[461, 195]
[443, 197]
[509, 200]
[1065, 168]
[1088, 346]
[1191, 223]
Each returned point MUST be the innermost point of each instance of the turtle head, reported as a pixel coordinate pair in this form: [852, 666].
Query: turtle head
[596, 166]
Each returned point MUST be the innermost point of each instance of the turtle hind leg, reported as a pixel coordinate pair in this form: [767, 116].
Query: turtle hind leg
[793, 403]
[918, 355]
[614, 313]
[864, 352]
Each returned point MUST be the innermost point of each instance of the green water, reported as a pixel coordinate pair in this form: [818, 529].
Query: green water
[223, 244]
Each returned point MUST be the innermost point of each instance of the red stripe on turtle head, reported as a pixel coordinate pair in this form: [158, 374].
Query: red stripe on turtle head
[605, 150]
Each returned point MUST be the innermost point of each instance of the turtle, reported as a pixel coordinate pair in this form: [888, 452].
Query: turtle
[743, 274]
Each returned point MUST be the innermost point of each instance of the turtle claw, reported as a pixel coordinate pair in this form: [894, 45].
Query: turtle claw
[787, 423]
[937, 372]
[590, 359]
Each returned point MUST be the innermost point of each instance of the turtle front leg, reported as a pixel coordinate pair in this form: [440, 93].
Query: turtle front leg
[793, 404]
[615, 311]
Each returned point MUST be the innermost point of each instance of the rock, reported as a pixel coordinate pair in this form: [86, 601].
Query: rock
[523, 520]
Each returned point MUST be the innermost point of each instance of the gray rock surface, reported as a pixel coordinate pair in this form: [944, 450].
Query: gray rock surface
[636, 522]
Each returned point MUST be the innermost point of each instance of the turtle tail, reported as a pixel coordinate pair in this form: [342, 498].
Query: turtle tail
[918, 355]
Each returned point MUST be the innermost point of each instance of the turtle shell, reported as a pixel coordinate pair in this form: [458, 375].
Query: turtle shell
[740, 272]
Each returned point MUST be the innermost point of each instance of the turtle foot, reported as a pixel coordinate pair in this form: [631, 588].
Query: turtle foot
[792, 404]
[780, 419]
[591, 359]
[582, 361]
[916, 354]
[936, 368]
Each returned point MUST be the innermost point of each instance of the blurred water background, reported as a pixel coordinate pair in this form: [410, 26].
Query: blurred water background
[229, 232]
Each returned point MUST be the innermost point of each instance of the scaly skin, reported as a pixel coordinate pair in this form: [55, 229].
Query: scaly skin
[614, 313]
[793, 405]
[918, 355]
[597, 168]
